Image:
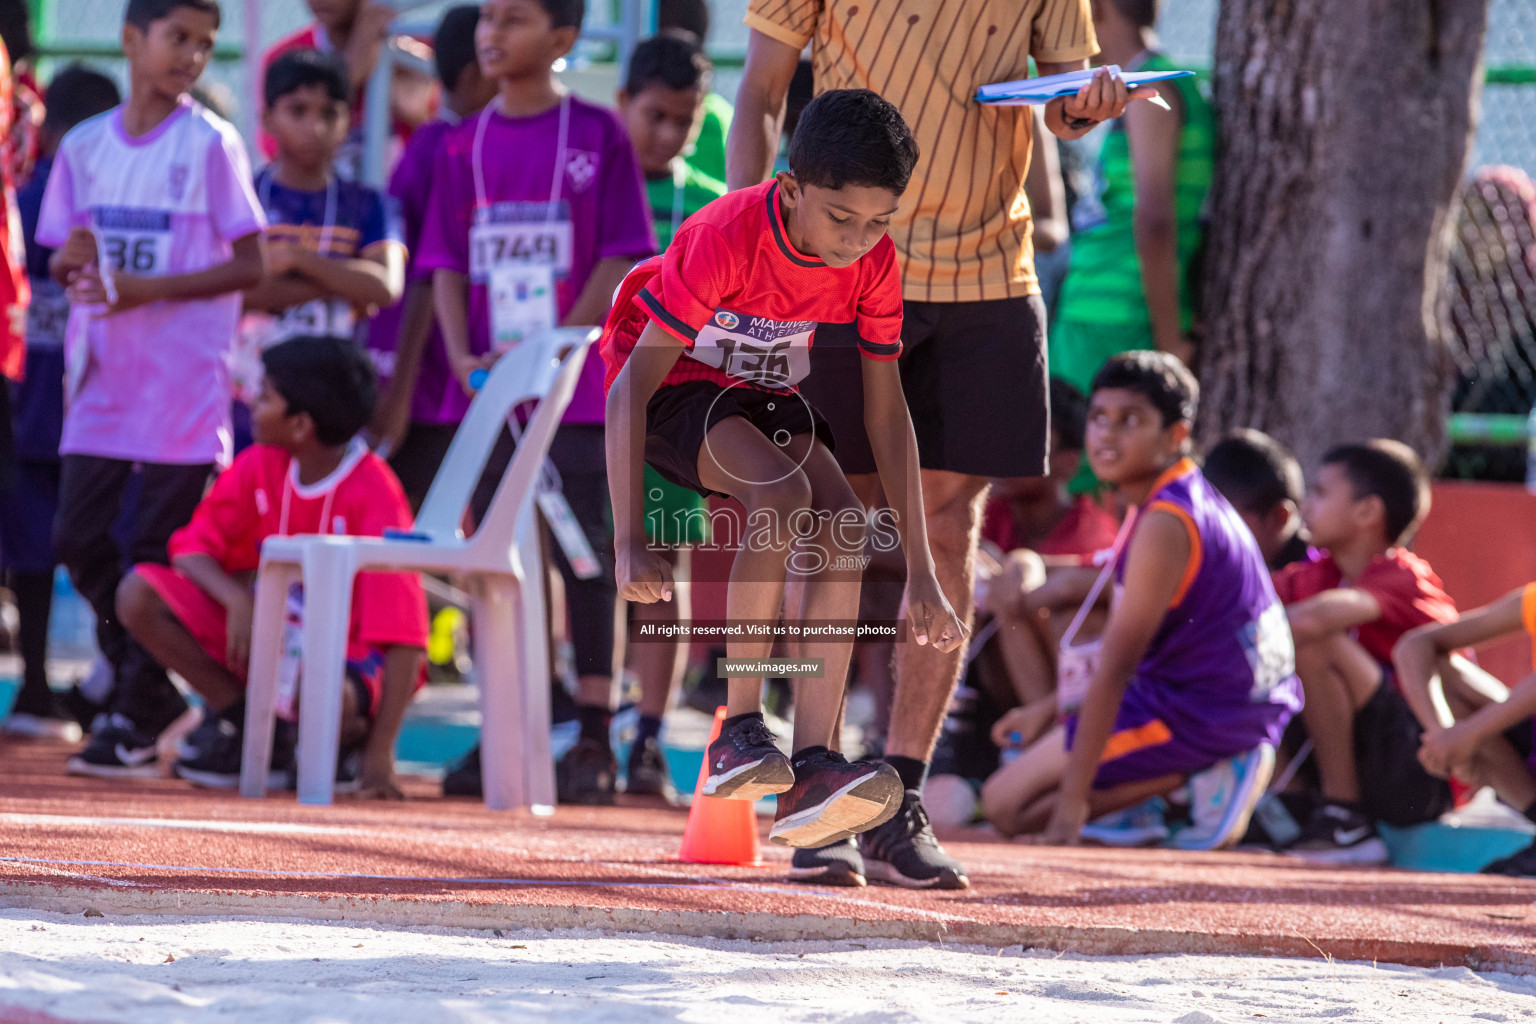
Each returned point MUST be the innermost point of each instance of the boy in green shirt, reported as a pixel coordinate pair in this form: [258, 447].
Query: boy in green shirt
[1135, 236]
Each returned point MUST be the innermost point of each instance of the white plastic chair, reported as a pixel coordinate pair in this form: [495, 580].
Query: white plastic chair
[502, 568]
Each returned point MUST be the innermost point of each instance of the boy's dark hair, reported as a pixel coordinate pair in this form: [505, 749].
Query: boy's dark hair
[332, 379]
[299, 69]
[1141, 13]
[77, 94]
[852, 137]
[691, 16]
[1391, 471]
[1253, 471]
[453, 46]
[1069, 415]
[670, 59]
[1158, 377]
[16, 30]
[565, 13]
[141, 13]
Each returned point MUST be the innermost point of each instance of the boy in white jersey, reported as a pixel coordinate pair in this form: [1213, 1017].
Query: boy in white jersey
[157, 231]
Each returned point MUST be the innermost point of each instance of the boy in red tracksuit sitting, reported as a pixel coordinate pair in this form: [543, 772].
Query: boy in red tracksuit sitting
[306, 473]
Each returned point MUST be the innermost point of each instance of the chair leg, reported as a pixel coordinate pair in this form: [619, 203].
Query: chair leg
[503, 762]
[261, 688]
[536, 667]
[328, 575]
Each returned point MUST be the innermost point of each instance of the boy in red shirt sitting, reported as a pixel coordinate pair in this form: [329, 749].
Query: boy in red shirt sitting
[704, 346]
[1347, 610]
[306, 473]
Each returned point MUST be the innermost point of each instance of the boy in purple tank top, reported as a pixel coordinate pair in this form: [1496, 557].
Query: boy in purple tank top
[1195, 680]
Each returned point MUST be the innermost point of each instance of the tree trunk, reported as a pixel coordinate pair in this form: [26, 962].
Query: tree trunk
[1345, 127]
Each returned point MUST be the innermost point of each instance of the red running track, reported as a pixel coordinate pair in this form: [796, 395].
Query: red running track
[84, 845]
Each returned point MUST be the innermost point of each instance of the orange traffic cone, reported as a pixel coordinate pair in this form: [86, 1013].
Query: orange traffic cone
[719, 831]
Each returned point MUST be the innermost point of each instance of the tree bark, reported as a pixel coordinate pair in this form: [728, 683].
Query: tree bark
[1345, 127]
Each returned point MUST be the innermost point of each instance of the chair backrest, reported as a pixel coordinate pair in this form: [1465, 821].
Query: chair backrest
[543, 368]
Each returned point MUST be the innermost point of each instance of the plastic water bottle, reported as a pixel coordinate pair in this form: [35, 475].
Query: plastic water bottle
[1015, 747]
[72, 624]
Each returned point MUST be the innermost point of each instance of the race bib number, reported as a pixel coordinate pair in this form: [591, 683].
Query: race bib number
[545, 243]
[1271, 652]
[47, 315]
[133, 241]
[773, 353]
[522, 302]
[328, 318]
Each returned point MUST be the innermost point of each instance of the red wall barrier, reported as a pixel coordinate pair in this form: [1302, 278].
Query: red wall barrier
[1481, 540]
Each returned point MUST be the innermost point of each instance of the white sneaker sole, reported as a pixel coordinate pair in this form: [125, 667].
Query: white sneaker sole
[1370, 851]
[768, 777]
[80, 766]
[881, 871]
[1239, 810]
[24, 726]
[216, 780]
[859, 806]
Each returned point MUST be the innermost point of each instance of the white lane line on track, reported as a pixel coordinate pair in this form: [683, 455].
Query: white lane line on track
[932, 915]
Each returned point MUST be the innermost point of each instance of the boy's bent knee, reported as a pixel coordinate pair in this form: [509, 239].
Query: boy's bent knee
[784, 497]
[136, 601]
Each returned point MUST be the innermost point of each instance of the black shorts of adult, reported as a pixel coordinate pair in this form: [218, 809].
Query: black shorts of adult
[678, 417]
[1394, 787]
[974, 374]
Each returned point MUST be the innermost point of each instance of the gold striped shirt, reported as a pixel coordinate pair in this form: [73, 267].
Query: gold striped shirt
[963, 230]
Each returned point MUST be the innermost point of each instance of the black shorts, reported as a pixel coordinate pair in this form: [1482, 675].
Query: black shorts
[679, 415]
[974, 374]
[1394, 787]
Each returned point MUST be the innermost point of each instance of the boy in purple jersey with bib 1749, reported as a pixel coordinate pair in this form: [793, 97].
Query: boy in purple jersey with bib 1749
[156, 232]
[1195, 680]
[538, 211]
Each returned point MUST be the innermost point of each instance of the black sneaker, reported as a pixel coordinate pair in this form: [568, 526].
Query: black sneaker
[1339, 835]
[648, 774]
[463, 779]
[905, 852]
[202, 737]
[587, 774]
[745, 765]
[118, 750]
[212, 752]
[1521, 864]
[838, 863]
[832, 799]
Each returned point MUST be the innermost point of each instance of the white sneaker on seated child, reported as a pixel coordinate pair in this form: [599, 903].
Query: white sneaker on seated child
[1222, 798]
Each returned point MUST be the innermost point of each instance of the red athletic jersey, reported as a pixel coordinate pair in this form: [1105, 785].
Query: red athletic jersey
[745, 304]
[1403, 584]
[259, 496]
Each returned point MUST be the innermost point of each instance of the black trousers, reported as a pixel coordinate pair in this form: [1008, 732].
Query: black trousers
[580, 458]
[114, 514]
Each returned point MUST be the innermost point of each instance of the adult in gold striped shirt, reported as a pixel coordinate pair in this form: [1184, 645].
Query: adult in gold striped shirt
[973, 360]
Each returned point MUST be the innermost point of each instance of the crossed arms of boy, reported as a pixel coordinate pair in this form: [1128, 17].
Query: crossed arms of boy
[1423, 656]
[369, 281]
